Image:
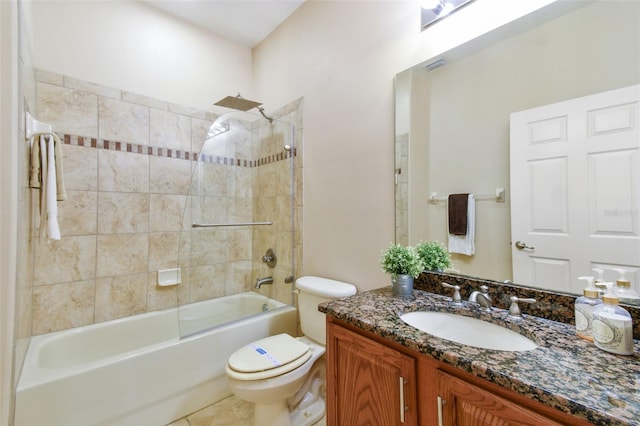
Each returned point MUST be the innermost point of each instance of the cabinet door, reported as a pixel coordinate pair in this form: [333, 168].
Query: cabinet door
[464, 404]
[368, 383]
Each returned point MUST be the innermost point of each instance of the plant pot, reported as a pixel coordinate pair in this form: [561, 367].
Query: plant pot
[402, 285]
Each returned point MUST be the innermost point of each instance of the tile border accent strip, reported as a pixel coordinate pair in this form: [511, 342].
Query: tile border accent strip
[90, 142]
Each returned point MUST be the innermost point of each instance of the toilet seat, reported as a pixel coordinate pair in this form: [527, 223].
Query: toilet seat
[268, 357]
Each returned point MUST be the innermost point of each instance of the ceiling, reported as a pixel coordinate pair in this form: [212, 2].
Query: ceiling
[246, 22]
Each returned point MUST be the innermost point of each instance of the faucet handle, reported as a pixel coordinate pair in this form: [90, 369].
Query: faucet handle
[456, 298]
[514, 309]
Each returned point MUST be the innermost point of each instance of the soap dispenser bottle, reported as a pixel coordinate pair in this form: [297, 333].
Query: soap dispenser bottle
[599, 281]
[612, 325]
[598, 273]
[584, 307]
[624, 291]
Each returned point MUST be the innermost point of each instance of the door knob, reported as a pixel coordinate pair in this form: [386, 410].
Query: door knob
[521, 245]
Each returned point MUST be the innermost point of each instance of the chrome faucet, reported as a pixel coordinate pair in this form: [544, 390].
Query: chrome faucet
[265, 280]
[482, 298]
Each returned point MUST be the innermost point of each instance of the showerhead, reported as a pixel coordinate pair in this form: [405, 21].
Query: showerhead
[242, 104]
[237, 102]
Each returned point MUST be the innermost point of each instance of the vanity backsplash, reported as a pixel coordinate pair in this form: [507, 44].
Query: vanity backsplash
[551, 305]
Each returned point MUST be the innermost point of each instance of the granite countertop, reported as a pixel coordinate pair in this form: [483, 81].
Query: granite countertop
[564, 372]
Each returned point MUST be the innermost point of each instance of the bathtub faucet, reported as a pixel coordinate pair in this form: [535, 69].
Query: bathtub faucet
[266, 280]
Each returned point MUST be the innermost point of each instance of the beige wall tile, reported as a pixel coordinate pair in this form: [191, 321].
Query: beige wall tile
[239, 277]
[123, 171]
[143, 100]
[121, 296]
[68, 111]
[77, 215]
[265, 183]
[243, 182]
[122, 212]
[242, 141]
[214, 179]
[169, 175]
[96, 89]
[185, 110]
[123, 121]
[165, 297]
[163, 250]
[239, 245]
[209, 209]
[61, 306]
[166, 212]
[240, 210]
[69, 259]
[80, 168]
[170, 130]
[49, 77]
[207, 282]
[199, 130]
[208, 246]
[121, 254]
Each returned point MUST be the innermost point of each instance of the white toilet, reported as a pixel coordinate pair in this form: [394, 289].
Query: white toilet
[283, 375]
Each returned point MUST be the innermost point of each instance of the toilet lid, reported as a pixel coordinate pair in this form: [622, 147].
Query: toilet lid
[274, 354]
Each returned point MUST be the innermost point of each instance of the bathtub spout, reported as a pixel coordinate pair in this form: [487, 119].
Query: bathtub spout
[261, 281]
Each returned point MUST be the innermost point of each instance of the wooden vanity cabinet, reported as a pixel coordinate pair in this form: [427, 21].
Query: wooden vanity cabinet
[461, 403]
[369, 379]
[368, 383]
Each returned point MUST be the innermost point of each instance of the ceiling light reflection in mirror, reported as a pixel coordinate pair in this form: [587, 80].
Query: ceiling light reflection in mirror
[433, 10]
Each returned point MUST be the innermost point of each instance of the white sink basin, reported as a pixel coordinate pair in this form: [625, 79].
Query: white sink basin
[468, 331]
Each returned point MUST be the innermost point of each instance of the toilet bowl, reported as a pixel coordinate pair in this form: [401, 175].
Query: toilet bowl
[284, 375]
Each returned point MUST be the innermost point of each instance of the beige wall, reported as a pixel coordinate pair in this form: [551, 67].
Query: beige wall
[135, 47]
[343, 56]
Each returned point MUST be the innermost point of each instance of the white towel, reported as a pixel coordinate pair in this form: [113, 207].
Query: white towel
[53, 229]
[465, 244]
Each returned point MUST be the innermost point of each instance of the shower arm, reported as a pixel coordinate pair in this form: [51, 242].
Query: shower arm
[264, 115]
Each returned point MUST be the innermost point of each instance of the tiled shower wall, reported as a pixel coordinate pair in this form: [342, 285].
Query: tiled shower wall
[128, 162]
[402, 188]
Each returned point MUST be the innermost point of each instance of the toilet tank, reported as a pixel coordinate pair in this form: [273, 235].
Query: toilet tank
[312, 292]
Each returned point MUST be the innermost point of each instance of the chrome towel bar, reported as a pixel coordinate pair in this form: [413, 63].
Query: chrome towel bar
[217, 225]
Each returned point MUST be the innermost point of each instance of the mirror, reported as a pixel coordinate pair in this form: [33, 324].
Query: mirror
[452, 117]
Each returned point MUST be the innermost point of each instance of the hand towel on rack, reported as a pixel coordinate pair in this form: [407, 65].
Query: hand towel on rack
[47, 175]
[457, 210]
[465, 244]
[53, 228]
[35, 178]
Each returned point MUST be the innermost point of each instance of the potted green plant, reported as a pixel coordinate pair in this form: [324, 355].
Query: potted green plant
[434, 255]
[404, 264]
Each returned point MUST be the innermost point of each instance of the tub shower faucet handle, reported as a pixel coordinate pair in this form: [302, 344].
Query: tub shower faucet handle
[270, 258]
[456, 298]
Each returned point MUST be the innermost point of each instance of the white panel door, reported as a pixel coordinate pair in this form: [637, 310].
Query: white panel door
[575, 190]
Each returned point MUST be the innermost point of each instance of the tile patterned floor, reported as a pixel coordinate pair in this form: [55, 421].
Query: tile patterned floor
[228, 412]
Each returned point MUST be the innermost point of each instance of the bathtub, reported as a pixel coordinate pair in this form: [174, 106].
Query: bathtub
[136, 370]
